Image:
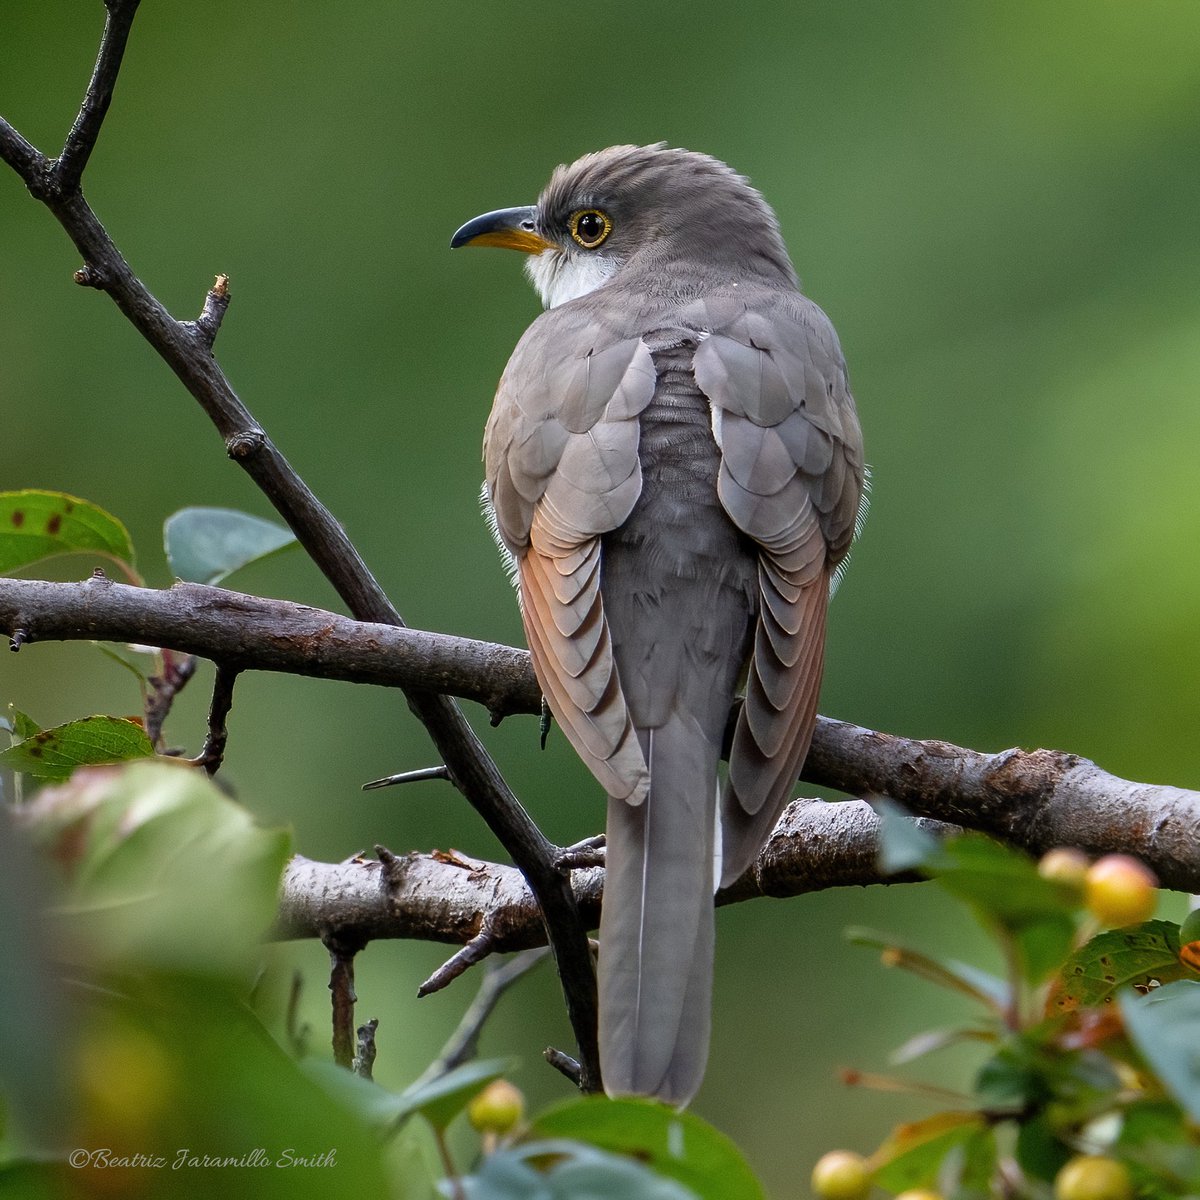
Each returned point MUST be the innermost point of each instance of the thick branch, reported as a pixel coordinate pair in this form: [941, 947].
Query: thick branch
[1036, 800]
[816, 845]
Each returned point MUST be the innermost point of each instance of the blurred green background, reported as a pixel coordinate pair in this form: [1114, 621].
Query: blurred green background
[997, 203]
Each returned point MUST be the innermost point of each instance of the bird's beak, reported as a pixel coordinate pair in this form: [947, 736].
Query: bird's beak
[512, 228]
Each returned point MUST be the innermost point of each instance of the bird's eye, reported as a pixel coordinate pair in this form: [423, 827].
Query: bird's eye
[589, 227]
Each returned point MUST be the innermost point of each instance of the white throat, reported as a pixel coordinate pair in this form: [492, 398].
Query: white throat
[559, 276]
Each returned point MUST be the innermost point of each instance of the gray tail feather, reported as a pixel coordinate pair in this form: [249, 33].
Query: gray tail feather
[656, 927]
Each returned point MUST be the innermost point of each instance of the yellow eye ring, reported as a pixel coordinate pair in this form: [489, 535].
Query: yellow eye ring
[589, 227]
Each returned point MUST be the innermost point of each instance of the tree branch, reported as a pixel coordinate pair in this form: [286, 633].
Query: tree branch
[432, 897]
[1036, 800]
[186, 347]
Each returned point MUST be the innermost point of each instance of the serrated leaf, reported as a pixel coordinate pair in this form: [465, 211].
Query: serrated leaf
[678, 1145]
[1163, 1024]
[1141, 956]
[20, 724]
[37, 524]
[912, 1154]
[205, 545]
[54, 753]
[948, 973]
[161, 869]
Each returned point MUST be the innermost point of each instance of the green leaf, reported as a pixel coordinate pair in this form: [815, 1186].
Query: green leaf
[36, 525]
[205, 545]
[1041, 1153]
[55, 753]
[565, 1170]
[1141, 955]
[1003, 888]
[443, 1098]
[161, 868]
[1030, 1070]
[678, 1145]
[21, 725]
[912, 1155]
[1163, 1024]
[903, 844]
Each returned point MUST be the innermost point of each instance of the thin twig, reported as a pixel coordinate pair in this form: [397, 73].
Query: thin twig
[475, 951]
[425, 773]
[473, 771]
[297, 1034]
[341, 985]
[463, 1043]
[563, 1063]
[588, 853]
[81, 141]
[177, 670]
[216, 302]
[213, 753]
[364, 1055]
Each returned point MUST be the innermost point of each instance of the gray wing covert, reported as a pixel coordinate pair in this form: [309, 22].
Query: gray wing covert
[791, 479]
[561, 455]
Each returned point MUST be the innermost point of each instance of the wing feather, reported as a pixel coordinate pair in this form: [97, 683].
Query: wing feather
[791, 479]
[561, 454]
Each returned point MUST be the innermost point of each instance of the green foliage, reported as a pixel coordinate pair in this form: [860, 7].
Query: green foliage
[1066, 1075]
[206, 545]
[561, 1170]
[90, 741]
[679, 1145]
[36, 525]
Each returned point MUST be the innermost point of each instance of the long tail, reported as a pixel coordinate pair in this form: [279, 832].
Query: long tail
[656, 928]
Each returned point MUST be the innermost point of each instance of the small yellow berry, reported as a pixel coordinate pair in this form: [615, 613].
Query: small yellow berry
[1119, 890]
[841, 1175]
[919, 1194]
[1065, 866]
[497, 1109]
[1093, 1177]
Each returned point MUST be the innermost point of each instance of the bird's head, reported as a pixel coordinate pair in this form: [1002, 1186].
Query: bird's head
[648, 209]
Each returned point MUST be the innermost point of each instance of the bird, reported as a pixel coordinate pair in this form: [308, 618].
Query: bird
[674, 471]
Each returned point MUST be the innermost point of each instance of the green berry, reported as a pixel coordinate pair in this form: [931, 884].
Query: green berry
[841, 1175]
[497, 1109]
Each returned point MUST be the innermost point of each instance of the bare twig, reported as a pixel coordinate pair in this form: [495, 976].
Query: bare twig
[341, 985]
[464, 1041]
[563, 1063]
[364, 1055]
[189, 356]
[208, 323]
[213, 753]
[82, 139]
[177, 670]
[475, 951]
[297, 1034]
[421, 776]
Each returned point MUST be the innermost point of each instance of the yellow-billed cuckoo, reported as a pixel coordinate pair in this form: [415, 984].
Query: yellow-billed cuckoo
[675, 464]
